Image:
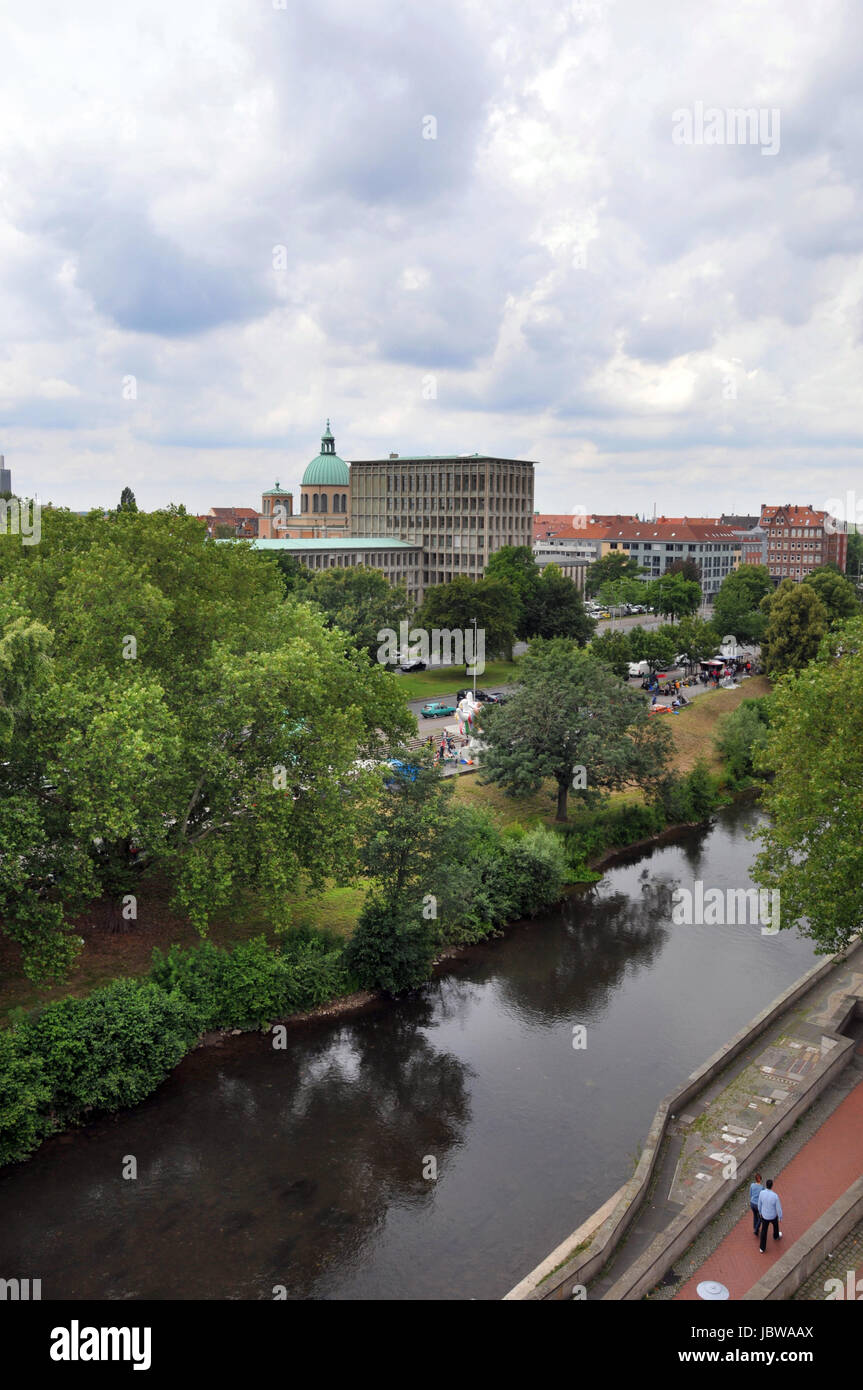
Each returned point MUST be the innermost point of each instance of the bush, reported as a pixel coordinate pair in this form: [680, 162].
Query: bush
[740, 735]
[391, 949]
[690, 798]
[108, 1050]
[253, 983]
[24, 1098]
[528, 874]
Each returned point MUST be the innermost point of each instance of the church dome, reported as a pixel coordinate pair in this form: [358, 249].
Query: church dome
[327, 470]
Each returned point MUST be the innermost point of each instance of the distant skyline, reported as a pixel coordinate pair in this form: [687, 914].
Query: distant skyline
[455, 228]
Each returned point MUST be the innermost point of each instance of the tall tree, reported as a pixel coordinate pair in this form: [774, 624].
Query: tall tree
[657, 646]
[617, 564]
[170, 723]
[812, 840]
[835, 591]
[796, 623]
[361, 602]
[515, 565]
[673, 595]
[688, 568]
[454, 606]
[555, 608]
[569, 711]
[695, 639]
[614, 649]
[736, 608]
[127, 501]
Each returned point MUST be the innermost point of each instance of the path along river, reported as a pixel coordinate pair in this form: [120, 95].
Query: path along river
[305, 1167]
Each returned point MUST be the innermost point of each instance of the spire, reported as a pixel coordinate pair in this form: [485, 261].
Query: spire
[328, 443]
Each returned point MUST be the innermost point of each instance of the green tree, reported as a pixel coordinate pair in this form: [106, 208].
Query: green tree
[854, 559]
[515, 565]
[812, 840]
[741, 735]
[657, 646]
[360, 602]
[674, 595]
[163, 708]
[127, 501]
[401, 836]
[294, 575]
[796, 622]
[617, 564]
[614, 649]
[555, 608]
[835, 591]
[736, 608]
[695, 639]
[570, 711]
[615, 592]
[453, 606]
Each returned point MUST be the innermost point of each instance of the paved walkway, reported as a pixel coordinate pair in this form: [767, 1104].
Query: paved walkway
[819, 1174]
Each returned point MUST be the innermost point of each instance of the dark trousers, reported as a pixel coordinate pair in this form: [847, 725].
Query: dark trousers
[756, 1217]
[764, 1224]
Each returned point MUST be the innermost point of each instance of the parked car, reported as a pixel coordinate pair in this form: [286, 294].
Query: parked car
[411, 663]
[433, 709]
[495, 698]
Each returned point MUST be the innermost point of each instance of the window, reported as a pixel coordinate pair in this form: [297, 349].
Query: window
[305, 502]
[316, 503]
[323, 501]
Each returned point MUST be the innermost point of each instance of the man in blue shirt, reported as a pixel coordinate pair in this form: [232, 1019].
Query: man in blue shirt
[755, 1190]
[770, 1208]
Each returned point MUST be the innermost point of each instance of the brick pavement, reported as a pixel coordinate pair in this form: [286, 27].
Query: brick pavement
[822, 1170]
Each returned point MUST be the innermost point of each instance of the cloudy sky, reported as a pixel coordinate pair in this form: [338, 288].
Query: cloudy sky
[450, 226]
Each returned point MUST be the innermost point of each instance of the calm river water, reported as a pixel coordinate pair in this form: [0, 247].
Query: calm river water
[305, 1167]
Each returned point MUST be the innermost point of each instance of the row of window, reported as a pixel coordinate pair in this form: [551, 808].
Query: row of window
[320, 502]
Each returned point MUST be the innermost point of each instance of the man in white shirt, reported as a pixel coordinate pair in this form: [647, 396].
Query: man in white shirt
[770, 1209]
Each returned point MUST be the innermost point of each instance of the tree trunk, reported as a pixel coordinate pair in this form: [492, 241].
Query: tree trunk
[562, 794]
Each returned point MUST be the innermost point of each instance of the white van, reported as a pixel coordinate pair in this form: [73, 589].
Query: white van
[639, 668]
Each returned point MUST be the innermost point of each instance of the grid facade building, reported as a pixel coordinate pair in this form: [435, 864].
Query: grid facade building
[460, 508]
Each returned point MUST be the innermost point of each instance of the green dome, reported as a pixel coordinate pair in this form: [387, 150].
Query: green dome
[327, 470]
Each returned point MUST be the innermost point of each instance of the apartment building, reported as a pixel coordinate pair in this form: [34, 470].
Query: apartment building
[656, 545]
[459, 508]
[795, 540]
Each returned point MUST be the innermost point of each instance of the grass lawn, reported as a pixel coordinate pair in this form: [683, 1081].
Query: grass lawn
[422, 685]
[694, 728]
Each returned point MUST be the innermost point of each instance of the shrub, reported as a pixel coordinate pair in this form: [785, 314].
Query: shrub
[528, 874]
[740, 735]
[24, 1098]
[391, 949]
[108, 1050]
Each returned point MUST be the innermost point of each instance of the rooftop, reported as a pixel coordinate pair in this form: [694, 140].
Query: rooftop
[336, 543]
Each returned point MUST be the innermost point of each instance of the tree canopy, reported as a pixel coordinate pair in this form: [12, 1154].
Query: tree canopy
[361, 602]
[835, 591]
[796, 622]
[617, 564]
[674, 595]
[569, 711]
[812, 842]
[166, 711]
[736, 608]
[453, 606]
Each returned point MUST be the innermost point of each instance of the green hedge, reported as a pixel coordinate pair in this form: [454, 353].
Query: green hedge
[81, 1057]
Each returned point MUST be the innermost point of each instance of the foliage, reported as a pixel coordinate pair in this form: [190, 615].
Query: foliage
[361, 602]
[454, 606]
[193, 751]
[736, 606]
[695, 639]
[569, 710]
[614, 649]
[689, 798]
[796, 622]
[515, 566]
[609, 568]
[673, 594]
[657, 646]
[813, 840]
[253, 983]
[24, 1099]
[740, 735]
[688, 568]
[392, 948]
[127, 501]
[835, 591]
[555, 608]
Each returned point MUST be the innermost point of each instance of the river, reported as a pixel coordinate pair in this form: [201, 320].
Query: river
[438, 1147]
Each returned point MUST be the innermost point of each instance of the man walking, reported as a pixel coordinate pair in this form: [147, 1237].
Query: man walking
[755, 1190]
[770, 1209]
